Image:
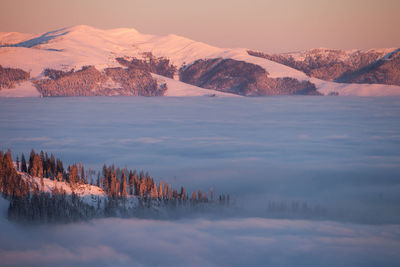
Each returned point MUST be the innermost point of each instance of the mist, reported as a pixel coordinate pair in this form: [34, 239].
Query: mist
[202, 241]
[341, 155]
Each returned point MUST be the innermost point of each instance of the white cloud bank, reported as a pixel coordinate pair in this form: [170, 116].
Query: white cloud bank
[200, 242]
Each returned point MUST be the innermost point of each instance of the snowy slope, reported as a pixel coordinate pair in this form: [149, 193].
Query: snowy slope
[14, 37]
[88, 193]
[25, 89]
[355, 89]
[177, 88]
[78, 46]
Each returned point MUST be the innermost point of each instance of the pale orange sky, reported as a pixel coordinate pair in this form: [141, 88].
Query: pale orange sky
[269, 25]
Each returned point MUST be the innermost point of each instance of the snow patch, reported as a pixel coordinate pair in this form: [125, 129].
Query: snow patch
[24, 89]
[177, 88]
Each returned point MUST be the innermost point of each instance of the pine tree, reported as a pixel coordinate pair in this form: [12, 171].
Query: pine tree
[60, 177]
[142, 188]
[98, 179]
[46, 165]
[35, 166]
[170, 195]
[60, 167]
[175, 194]
[113, 185]
[73, 177]
[166, 190]
[182, 195]
[160, 191]
[42, 183]
[123, 185]
[32, 155]
[17, 163]
[154, 191]
[136, 183]
[23, 164]
[131, 183]
[52, 166]
[42, 163]
[83, 174]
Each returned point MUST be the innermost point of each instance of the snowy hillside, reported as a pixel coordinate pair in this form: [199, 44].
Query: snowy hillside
[75, 47]
[347, 72]
[90, 194]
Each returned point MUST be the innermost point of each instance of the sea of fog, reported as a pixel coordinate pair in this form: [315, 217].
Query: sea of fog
[338, 153]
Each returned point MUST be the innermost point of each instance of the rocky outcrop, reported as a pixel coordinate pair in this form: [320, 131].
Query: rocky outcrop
[9, 77]
[242, 78]
[91, 82]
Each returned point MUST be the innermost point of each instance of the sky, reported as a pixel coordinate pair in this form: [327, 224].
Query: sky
[268, 25]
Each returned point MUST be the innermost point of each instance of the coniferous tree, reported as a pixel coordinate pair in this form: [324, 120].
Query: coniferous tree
[142, 188]
[123, 185]
[170, 195]
[136, 183]
[183, 193]
[17, 163]
[117, 188]
[131, 183]
[165, 190]
[98, 180]
[175, 194]
[160, 191]
[46, 166]
[154, 192]
[60, 167]
[32, 155]
[35, 166]
[83, 174]
[42, 183]
[23, 164]
[42, 163]
[60, 177]
[113, 189]
[73, 177]
[52, 165]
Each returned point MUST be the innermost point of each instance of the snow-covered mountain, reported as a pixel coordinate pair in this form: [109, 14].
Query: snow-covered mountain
[377, 67]
[75, 47]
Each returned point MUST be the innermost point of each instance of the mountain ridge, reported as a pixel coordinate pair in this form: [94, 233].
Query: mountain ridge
[78, 46]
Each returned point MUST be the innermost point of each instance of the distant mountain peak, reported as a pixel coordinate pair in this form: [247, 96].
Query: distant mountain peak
[82, 45]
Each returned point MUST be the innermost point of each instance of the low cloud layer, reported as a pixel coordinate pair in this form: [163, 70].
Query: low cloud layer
[341, 153]
[200, 242]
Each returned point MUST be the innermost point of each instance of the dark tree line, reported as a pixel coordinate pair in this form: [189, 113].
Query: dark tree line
[242, 78]
[89, 81]
[10, 76]
[360, 67]
[50, 208]
[150, 63]
[119, 183]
